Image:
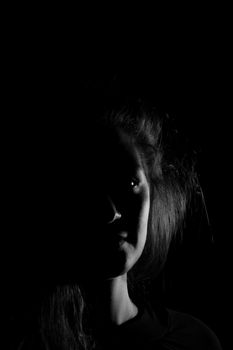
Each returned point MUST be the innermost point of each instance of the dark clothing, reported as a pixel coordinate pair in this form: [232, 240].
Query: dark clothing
[159, 329]
[155, 328]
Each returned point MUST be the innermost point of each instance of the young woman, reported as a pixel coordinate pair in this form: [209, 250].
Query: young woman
[119, 196]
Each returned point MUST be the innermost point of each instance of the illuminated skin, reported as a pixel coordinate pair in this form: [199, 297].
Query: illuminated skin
[129, 200]
[121, 219]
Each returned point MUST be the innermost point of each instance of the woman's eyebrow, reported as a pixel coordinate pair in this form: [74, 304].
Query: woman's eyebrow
[136, 170]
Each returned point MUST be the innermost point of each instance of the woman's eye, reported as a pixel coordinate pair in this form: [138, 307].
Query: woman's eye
[134, 183]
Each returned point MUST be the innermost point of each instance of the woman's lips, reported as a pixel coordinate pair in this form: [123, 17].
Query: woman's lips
[119, 237]
[116, 234]
[123, 235]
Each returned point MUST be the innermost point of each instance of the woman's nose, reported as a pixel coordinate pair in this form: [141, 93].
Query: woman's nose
[113, 214]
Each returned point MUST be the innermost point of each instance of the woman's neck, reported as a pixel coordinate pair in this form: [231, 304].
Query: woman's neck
[112, 303]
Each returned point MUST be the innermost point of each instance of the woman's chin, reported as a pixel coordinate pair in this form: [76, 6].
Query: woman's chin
[110, 266]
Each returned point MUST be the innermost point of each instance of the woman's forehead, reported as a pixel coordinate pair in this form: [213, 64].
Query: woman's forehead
[119, 150]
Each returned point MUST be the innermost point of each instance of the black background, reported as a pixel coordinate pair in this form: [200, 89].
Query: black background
[181, 63]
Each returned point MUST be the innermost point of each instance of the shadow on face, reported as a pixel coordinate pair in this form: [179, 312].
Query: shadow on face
[90, 211]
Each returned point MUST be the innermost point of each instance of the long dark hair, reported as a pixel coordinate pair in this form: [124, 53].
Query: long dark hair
[172, 178]
[65, 318]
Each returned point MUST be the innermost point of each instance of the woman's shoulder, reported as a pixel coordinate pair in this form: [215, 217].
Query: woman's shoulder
[187, 329]
[159, 327]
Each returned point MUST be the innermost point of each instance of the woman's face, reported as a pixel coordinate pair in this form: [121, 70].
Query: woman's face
[118, 206]
[95, 213]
